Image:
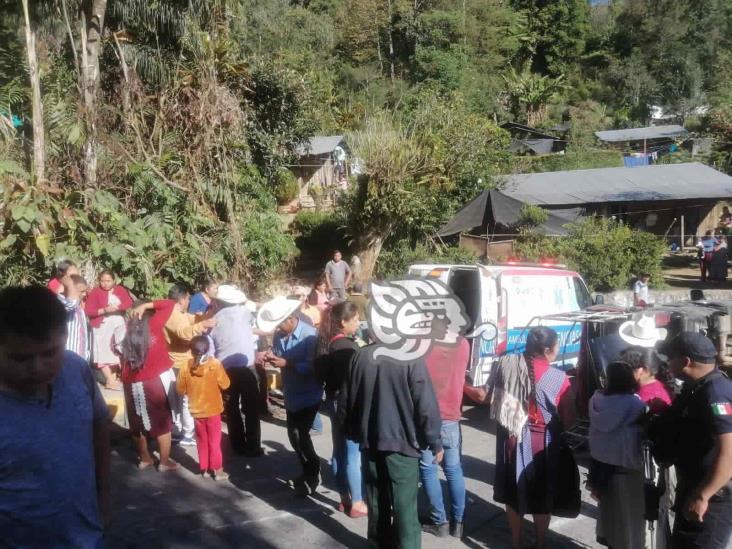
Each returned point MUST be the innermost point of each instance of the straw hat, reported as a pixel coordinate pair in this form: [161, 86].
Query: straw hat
[274, 312]
[231, 294]
[641, 331]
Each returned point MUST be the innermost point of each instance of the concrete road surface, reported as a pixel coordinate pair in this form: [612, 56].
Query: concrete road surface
[257, 509]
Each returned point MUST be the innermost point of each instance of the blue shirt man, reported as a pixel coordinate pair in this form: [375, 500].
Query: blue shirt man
[54, 437]
[293, 351]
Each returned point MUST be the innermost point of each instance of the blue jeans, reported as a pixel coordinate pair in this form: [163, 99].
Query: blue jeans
[317, 423]
[452, 465]
[346, 461]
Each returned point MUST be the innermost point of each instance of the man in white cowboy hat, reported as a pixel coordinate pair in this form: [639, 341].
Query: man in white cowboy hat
[235, 348]
[641, 331]
[293, 350]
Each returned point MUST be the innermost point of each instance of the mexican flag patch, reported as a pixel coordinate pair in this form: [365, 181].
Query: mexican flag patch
[722, 409]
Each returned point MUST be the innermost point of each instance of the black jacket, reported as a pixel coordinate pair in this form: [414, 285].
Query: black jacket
[333, 367]
[389, 406]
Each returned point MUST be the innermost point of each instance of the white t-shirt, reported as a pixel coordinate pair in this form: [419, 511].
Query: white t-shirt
[641, 290]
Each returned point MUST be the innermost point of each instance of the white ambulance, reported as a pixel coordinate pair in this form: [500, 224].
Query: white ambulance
[513, 298]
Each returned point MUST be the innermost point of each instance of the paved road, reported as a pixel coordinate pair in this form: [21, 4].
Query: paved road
[256, 508]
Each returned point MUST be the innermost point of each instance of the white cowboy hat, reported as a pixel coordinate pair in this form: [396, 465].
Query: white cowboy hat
[641, 331]
[231, 294]
[274, 312]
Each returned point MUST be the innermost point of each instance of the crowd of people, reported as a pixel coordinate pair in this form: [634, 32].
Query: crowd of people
[186, 363]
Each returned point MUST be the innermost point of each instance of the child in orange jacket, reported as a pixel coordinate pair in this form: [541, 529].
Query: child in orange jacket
[202, 379]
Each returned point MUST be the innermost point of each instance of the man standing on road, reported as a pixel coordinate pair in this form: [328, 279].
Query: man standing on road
[180, 329]
[293, 351]
[391, 411]
[337, 276]
[54, 433]
[234, 344]
[446, 366]
[695, 434]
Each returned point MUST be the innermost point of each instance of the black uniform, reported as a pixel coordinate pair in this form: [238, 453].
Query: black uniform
[685, 436]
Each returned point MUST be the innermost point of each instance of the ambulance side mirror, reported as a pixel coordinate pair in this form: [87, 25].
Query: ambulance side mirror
[599, 299]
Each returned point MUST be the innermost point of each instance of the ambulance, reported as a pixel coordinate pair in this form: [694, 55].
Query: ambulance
[505, 301]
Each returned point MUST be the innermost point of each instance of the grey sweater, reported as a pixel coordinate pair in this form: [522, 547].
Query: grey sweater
[390, 407]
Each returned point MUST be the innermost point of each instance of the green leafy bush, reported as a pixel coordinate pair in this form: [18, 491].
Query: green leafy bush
[319, 233]
[394, 261]
[285, 187]
[606, 253]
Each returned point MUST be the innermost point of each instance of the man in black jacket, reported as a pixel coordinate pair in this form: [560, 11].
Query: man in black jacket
[392, 412]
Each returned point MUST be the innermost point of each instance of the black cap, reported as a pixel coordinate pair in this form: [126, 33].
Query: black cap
[696, 346]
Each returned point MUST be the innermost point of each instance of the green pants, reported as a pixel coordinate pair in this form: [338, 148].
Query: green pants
[391, 495]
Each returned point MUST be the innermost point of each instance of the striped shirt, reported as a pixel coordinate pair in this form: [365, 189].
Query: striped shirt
[77, 338]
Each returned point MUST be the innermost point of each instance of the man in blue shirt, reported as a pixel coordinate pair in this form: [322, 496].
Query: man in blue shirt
[54, 434]
[201, 301]
[293, 350]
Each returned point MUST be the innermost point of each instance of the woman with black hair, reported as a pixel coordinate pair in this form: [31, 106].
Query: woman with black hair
[655, 385]
[63, 268]
[531, 401]
[616, 472]
[336, 346]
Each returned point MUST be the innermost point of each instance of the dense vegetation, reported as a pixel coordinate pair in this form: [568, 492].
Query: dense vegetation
[152, 136]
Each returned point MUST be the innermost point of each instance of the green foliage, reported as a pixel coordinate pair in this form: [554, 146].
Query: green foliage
[607, 253]
[393, 263]
[285, 187]
[319, 233]
[531, 216]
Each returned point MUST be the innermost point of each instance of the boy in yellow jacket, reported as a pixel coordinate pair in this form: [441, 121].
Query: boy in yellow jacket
[202, 379]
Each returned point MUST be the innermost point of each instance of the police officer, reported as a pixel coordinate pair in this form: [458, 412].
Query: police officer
[695, 434]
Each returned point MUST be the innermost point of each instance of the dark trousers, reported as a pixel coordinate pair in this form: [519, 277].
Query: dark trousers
[391, 495]
[298, 431]
[704, 263]
[242, 397]
[714, 533]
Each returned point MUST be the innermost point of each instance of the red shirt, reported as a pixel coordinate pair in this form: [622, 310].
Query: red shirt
[447, 366]
[655, 395]
[158, 359]
[55, 286]
[98, 299]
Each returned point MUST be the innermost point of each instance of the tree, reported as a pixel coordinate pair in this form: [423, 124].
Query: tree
[91, 27]
[39, 139]
[389, 190]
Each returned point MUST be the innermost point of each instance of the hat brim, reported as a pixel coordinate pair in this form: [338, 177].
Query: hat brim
[626, 334]
[269, 326]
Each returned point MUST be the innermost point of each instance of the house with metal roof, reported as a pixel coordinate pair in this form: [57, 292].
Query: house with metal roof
[530, 141]
[678, 201]
[322, 166]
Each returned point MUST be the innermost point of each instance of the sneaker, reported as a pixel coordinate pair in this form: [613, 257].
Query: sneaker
[187, 441]
[439, 530]
[456, 530]
[220, 475]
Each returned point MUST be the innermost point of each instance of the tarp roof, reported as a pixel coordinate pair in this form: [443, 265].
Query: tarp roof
[495, 207]
[638, 134]
[320, 144]
[508, 126]
[659, 182]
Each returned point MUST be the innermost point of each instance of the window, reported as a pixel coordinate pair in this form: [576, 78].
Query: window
[584, 299]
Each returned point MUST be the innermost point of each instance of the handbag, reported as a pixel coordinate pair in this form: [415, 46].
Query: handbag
[568, 497]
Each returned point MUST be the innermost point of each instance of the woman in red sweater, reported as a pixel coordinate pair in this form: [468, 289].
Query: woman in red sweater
[105, 307]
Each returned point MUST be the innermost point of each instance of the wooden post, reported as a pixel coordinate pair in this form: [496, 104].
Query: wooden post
[682, 232]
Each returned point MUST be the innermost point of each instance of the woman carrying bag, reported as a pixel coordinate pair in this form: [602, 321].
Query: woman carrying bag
[535, 470]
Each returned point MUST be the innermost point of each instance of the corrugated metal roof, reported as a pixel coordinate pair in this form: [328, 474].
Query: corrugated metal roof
[320, 144]
[660, 182]
[638, 134]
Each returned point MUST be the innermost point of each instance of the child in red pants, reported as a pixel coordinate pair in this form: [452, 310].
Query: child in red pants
[202, 379]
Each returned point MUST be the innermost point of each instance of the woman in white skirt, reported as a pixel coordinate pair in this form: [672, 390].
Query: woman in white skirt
[105, 307]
